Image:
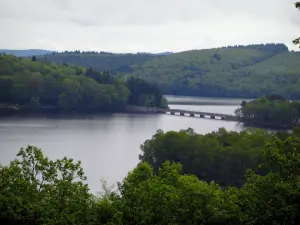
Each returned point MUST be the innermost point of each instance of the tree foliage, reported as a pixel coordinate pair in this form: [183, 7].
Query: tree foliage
[235, 71]
[34, 84]
[297, 40]
[144, 93]
[240, 71]
[220, 156]
[101, 61]
[270, 111]
[36, 190]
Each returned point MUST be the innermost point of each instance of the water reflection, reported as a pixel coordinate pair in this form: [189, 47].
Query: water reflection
[108, 145]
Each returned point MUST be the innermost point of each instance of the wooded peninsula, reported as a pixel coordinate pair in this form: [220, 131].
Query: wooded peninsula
[37, 84]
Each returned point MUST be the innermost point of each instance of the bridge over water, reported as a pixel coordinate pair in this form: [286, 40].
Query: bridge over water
[182, 112]
[199, 114]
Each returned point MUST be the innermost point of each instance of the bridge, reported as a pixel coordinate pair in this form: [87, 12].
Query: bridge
[199, 114]
[181, 112]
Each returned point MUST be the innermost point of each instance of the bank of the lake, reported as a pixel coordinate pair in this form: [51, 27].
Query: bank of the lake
[107, 144]
[188, 100]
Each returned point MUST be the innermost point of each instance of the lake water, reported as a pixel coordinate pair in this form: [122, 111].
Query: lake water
[109, 144]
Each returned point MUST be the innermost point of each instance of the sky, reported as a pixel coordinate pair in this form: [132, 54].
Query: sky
[145, 25]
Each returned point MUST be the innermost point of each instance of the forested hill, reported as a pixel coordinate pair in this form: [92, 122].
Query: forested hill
[101, 61]
[240, 71]
[37, 84]
[236, 71]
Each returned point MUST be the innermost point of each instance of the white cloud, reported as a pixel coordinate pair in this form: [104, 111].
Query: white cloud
[144, 25]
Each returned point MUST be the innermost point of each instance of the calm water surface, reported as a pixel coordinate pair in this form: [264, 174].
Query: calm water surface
[107, 145]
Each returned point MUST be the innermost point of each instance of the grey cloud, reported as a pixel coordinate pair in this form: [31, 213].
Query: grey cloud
[62, 4]
[82, 22]
[144, 25]
[119, 12]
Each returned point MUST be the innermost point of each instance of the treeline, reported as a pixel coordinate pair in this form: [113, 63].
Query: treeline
[37, 84]
[271, 110]
[37, 190]
[115, 63]
[274, 48]
[98, 52]
[221, 156]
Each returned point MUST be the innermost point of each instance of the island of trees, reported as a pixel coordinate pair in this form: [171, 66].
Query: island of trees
[270, 111]
[37, 84]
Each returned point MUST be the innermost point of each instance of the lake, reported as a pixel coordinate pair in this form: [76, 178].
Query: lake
[107, 144]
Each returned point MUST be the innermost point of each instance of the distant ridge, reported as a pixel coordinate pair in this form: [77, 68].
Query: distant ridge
[31, 52]
[164, 53]
[26, 52]
[241, 71]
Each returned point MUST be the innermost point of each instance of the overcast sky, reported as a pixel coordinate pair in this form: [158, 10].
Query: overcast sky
[145, 25]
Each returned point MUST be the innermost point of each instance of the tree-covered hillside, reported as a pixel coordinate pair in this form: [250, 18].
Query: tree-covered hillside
[240, 71]
[101, 61]
[235, 71]
[32, 83]
[38, 84]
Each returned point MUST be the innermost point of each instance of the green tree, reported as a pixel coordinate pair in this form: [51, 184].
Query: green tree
[221, 156]
[172, 198]
[144, 94]
[72, 95]
[297, 40]
[36, 190]
[274, 198]
[48, 85]
[271, 111]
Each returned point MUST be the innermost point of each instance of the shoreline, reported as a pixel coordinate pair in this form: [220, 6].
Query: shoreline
[56, 112]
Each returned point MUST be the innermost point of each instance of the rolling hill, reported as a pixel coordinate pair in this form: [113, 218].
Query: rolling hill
[235, 71]
[241, 71]
[26, 52]
[101, 61]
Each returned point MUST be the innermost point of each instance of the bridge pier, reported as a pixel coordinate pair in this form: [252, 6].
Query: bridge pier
[195, 114]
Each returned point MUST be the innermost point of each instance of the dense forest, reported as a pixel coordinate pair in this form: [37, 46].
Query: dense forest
[221, 156]
[235, 71]
[37, 84]
[248, 72]
[271, 110]
[113, 62]
[163, 189]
